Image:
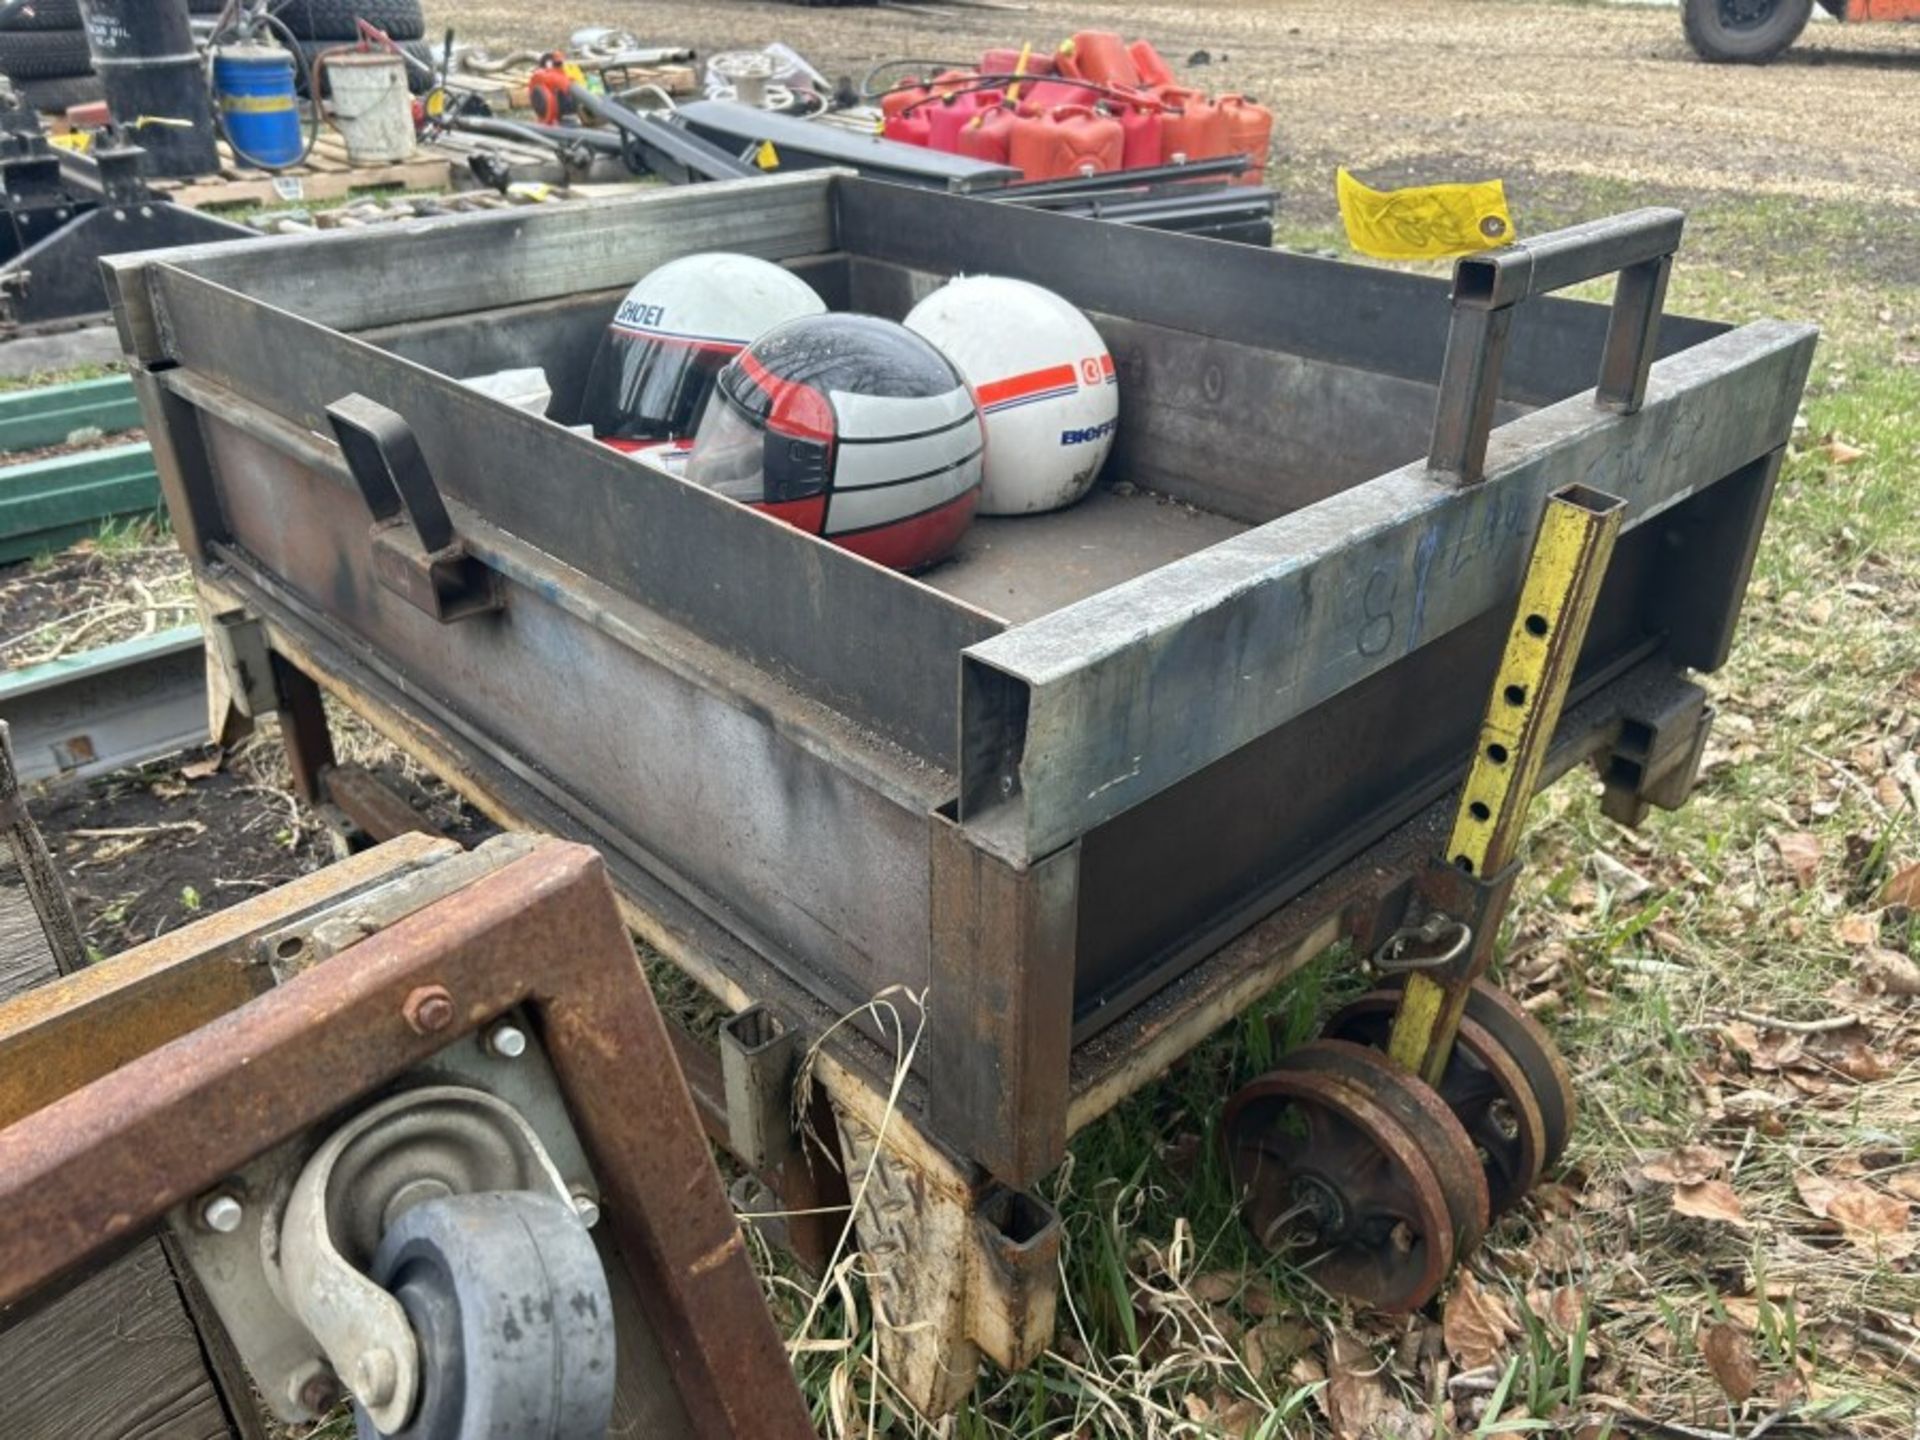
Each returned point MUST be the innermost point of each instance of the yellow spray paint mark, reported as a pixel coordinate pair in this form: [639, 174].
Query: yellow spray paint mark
[1424, 222]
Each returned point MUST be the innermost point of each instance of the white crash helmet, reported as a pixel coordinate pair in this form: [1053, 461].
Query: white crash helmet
[852, 428]
[1045, 382]
[673, 334]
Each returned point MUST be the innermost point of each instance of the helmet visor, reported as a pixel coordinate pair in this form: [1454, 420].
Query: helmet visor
[648, 387]
[729, 457]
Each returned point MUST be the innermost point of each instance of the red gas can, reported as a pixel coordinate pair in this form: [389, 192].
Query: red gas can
[1140, 131]
[1100, 56]
[1153, 71]
[909, 128]
[948, 115]
[1068, 140]
[907, 92]
[1249, 133]
[1006, 62]
[988, 135]
[1196, 130]
[1046, 94]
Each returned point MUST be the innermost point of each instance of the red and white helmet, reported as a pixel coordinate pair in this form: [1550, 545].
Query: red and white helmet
[1046, 385]
[850, 427]
[673, 334]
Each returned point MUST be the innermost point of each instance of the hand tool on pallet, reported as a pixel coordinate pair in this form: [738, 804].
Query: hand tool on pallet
[1386, 1167]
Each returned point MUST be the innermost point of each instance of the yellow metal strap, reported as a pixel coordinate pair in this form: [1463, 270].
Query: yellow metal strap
[1569, 561]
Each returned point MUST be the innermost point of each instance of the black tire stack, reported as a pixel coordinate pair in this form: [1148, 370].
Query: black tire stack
[322, 25]
[43, 50]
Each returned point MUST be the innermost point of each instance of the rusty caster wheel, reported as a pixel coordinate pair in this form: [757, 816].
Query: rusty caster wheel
[1506, 1081]
[1355, 1164]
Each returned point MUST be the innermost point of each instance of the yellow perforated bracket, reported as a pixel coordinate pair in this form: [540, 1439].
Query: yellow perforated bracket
[1569, 561]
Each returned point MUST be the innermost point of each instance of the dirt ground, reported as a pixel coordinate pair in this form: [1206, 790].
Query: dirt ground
[1434, 89]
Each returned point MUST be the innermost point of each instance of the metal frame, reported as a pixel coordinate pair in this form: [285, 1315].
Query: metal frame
[1087, 837]
[173, 1074]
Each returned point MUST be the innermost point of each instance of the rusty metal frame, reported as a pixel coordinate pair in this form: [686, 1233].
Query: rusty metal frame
[94, 1159]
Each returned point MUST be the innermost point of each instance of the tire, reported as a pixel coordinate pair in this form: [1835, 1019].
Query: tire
[416, 82]
[334, 19]
[1743, 32]
[56, 97]
[44, 54]
[46, 15]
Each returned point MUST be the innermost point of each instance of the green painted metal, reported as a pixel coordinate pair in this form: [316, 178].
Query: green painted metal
[47, 504]
[30, 419]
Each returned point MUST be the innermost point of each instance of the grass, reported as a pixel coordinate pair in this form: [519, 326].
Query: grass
[1173, 1322]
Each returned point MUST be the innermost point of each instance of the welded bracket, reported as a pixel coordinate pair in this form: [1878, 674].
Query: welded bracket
[1655, 759]
[416, 553]
[758, 1055]
[238, 642]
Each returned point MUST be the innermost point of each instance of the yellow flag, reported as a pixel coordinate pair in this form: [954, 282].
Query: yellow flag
[1424, 222]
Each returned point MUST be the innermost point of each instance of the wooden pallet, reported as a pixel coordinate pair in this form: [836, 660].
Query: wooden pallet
[327, 175]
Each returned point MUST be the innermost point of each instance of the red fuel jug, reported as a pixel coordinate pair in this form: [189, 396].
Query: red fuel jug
[909, 128]
[1006, 62]
[1100, 56]
[948, 115]
[1249, 133]
[988, 135]
[1046, 94]
[908, 92]
[1068, 140]
[1197, 130]
[1153, 71]
[1141, 138]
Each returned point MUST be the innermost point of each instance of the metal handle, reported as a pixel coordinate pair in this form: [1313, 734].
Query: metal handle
[1639, 245]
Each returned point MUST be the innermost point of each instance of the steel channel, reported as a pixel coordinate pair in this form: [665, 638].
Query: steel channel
[105, 1161]
[101, 710]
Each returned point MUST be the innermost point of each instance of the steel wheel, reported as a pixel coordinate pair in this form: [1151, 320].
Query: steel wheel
[1485, 1087]
[1422, 1111]
[1328, 1170]
[509, 1304]
[1527, 1041]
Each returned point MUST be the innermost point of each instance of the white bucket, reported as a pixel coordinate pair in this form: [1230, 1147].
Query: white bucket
[372, 108]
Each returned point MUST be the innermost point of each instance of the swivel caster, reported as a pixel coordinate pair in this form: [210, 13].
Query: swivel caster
[507, 1300]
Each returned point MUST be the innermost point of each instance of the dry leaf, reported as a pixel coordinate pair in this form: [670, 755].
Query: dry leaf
[1859, 930]
[1688, 1165]
[201, 769]
[1475, 1324]
[1841, 453]
[1216, 1287]
[1870, 1220]
[1800, 852]
[1356, 1396]
[1905, 1184]
[1709, 1200]
[1729, 1355]
[1903, 888]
